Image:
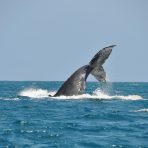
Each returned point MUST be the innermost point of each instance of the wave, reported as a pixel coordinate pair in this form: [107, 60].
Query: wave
[97, 94]
[11, 99]
[141, 110]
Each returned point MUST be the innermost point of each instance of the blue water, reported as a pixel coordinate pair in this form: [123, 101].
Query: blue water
[115, 117]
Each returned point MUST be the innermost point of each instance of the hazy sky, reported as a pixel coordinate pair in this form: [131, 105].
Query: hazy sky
[50, 39]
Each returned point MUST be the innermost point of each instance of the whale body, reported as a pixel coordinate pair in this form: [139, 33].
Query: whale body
[75, 84]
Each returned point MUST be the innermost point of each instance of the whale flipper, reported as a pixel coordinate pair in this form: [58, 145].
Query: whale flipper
[75, 84]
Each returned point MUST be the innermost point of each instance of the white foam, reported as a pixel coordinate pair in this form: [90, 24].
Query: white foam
[35, 93]
[97, 94]
[128, 97]
[142, 110]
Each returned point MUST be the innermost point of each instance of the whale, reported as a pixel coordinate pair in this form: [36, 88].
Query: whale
[75, 84]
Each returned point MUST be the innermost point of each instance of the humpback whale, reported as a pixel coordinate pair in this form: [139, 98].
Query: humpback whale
[75, 84]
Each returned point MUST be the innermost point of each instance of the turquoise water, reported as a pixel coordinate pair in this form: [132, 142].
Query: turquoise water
[115, 116]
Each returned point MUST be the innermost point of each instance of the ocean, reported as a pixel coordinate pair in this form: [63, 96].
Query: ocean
[114, 115]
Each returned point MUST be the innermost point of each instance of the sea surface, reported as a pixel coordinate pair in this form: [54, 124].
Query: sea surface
[114, 115]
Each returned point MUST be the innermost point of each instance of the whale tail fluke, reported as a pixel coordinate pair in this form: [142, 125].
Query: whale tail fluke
[99, 73]
[97, 61]
[75, 84]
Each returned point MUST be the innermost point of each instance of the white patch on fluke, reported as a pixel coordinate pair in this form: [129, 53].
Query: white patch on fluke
[97, 94]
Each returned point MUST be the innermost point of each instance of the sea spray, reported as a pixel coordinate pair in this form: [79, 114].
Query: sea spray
[97, 94]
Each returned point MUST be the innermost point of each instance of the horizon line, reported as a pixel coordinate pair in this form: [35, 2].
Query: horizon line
[64, 81]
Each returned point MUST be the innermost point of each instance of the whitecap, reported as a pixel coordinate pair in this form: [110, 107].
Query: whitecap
[141, 110]
[11, 99]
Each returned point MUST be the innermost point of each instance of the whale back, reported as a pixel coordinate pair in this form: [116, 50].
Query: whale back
[75, 84]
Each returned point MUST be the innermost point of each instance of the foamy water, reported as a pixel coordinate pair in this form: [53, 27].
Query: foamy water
[34, 93]
[97, 94]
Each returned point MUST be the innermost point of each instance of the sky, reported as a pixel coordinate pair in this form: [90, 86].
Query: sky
[47, 40]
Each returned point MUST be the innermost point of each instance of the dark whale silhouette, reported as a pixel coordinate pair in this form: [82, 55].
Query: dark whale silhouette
[75, 84]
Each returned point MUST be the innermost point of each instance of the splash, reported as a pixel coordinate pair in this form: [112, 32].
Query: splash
[103, 95]
[35, 93]
[97, 94]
